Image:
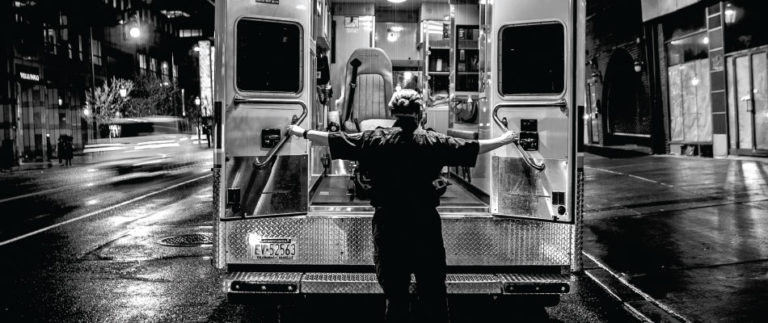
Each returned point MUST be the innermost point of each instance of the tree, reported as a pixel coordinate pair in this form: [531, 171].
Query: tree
[107, 101]
[153, 96]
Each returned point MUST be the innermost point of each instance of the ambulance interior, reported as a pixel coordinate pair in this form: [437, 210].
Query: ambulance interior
[363, 51]
[403, 45]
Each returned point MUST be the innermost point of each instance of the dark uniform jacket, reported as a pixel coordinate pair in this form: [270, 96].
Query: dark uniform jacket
[403, 165]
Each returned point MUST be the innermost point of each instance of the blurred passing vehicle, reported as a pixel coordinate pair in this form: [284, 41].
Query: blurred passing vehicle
[147, 144]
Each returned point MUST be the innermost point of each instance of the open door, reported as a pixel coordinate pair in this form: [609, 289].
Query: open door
[531, 90]
[263, 82]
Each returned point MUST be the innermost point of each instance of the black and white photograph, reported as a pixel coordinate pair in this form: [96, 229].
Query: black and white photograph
[384, 161]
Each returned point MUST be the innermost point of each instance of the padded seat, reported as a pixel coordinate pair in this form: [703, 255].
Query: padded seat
[373, 92]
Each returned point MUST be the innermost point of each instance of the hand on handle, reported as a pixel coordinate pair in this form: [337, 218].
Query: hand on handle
[294, 130]
[509, 137]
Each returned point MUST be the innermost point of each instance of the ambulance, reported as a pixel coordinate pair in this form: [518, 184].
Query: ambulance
[291, 222]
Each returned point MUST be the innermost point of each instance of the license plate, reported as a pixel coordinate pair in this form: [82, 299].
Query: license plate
[274, 248]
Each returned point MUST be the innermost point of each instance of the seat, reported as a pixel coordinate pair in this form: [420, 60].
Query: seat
[372, 94]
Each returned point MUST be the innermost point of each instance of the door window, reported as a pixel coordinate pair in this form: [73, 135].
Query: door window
[268, 56]
[532, 59]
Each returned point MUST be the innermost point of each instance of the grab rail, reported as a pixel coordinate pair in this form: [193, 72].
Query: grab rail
[529, 160]
[286, 136]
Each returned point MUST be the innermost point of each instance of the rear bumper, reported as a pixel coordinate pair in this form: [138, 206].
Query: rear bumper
[292, 283]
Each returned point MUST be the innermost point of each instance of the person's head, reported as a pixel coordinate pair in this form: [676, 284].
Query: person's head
[407, 105]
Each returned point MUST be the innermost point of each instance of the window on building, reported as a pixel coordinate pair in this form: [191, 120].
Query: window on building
[96, 50]
[532, 59]
[50, 37]
[152, 65]
[80, 47]
[687, 49]
[185, 33]
[142, 63]
[279, 68]
[165, 71]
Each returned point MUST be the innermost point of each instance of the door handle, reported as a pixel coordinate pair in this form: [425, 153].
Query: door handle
[529, 160]
[286, 136]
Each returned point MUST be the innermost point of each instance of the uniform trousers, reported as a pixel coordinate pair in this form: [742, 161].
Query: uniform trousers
[409, 240]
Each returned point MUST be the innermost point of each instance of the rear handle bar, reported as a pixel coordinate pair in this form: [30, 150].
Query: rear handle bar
[529, 160]
[294, 121]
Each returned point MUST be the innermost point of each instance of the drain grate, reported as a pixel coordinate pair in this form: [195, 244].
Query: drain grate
[187, 240]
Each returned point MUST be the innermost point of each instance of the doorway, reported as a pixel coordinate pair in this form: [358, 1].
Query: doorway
[626, 116]
[748, 98]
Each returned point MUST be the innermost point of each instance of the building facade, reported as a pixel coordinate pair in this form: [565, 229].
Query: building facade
[684, 77]
[56, 51]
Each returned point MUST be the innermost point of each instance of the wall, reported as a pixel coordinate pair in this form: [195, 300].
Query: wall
[656, 8]
[404, 48]
[346, 41]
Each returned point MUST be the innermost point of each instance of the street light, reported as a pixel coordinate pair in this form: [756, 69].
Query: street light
[135, 32]
[197, 101]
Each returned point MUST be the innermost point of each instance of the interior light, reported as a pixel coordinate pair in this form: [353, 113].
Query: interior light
[393, 37]
[396, 1]
[705, 40]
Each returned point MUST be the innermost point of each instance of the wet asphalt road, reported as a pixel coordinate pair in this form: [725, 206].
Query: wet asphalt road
[83, 244]
[692, 233]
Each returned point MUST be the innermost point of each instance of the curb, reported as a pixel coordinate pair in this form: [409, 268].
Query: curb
[639, 304]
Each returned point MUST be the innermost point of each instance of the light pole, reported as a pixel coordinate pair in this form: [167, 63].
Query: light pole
[197, 106]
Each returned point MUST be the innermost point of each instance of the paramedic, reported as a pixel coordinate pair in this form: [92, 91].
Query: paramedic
[404, 164]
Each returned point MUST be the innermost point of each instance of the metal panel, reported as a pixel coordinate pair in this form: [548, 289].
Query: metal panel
[276, 278]
[279, 188]
[218, 239]
[340, 283]
[246, 121]
[472, 284]
[366, 283]
[469, 241]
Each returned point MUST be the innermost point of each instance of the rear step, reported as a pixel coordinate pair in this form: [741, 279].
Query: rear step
[365, 283]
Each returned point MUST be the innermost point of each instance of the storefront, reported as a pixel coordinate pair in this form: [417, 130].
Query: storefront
[49, 107]
[713, 66]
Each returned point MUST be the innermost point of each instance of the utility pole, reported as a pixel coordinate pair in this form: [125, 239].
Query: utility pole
[93, 85]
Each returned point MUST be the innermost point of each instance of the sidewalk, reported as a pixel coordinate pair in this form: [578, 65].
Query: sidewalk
[691, 233]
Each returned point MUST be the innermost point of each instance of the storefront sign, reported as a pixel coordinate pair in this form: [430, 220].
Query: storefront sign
[29, 76]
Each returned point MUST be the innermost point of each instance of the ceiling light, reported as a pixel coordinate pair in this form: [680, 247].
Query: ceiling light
[396, 1]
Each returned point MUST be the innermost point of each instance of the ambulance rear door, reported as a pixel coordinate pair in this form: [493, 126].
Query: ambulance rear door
[530, 88]
[262, 84]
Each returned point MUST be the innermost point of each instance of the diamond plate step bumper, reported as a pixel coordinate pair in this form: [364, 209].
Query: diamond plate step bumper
[365, 283]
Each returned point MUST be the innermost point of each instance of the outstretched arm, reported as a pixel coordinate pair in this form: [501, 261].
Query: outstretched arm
[487, 145]
[315, 136]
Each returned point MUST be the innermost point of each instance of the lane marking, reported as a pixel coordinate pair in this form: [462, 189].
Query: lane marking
[38, 231]
[629, 175]
[635, 289]
[50, 190]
